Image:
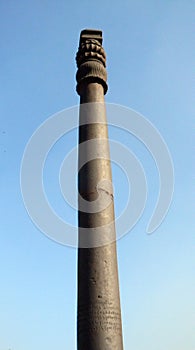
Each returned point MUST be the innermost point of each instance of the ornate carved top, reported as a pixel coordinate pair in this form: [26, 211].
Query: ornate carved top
[91, 59]
[90, 49]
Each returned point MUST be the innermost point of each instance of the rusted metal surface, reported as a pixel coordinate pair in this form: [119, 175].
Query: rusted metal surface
[99, 315]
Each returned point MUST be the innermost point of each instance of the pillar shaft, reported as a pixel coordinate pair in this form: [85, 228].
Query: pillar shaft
[99, 316]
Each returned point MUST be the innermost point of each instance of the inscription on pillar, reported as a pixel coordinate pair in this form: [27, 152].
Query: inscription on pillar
[100, 316]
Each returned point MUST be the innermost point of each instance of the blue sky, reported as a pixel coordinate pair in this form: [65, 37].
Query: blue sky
[149, 64]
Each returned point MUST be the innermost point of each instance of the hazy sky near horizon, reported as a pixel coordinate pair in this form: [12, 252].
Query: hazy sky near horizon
[149, 64]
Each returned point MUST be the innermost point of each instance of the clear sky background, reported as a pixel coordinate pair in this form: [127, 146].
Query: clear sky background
[149, 60]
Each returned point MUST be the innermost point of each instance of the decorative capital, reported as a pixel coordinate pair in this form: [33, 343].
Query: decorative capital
[91, 59]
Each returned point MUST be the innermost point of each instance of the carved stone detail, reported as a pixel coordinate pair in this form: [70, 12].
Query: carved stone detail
[90, 49]
[91, 63]
[91, 71]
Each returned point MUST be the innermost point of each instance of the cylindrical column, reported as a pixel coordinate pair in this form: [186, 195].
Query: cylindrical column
[99, 315]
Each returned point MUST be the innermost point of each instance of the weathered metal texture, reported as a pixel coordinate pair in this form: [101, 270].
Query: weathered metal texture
[99, 315]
